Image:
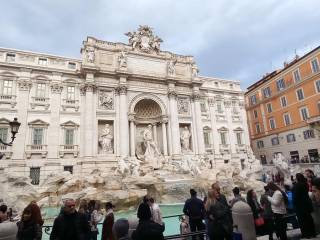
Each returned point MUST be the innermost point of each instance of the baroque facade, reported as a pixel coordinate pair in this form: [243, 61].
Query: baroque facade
[120, 102]
[283, 110]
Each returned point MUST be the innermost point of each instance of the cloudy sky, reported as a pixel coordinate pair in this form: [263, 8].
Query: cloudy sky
[232, 39]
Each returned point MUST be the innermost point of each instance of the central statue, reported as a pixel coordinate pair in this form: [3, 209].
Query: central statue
[152, 152]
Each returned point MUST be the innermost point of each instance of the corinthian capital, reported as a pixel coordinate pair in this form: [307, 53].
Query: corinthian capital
[56, 88]
[24, 84]
[122, 90]
[172, 93]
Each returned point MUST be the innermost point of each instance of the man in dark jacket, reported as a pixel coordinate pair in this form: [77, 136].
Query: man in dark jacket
[147, 229]
[194, 209]
[70, 224]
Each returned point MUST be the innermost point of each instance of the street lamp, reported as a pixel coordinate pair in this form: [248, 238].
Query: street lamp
[14, 125]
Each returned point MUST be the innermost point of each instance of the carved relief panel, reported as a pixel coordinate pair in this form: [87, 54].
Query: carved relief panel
[183, 106]
[106, 100]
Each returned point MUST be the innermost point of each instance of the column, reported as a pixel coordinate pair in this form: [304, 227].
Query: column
[19, 145]
[117, 124]
[54, 125]
[232, 138]
[132, 136]
[154, 130]
[124, 126]
[197, 110]
[82, 106]
[174, 124]
[194, 129]
[164, 138]
[215, 133]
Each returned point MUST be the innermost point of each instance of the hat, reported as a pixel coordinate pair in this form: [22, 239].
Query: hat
[144, 212]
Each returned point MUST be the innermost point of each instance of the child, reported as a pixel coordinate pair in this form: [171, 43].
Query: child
[184, 226]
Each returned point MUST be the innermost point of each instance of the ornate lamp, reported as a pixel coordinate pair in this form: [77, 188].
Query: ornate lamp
[14, 125]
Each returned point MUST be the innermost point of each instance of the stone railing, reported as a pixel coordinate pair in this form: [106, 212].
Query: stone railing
[36, 149]
[70, 103]
[68, 149]
[240, 148]
[8, 99]
[6, 150]
[224, 147]
[40, 101]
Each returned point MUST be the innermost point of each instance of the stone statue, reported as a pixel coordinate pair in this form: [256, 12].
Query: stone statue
[106, 139]
[171, 66]
[152, 153]
[106, 100]
[123, 167]
[185, 139]
[194, 70]
[122, 59]
[90, 55]
[134, 165]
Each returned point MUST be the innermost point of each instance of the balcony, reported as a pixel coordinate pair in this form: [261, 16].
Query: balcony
[224, 148]
[37, 149]
[241, 148]
[221, 118]
[68, 149]
[8, 99]
[236, 118]
[40, 101]
[209, 148]
[6, 150]
[70, 103]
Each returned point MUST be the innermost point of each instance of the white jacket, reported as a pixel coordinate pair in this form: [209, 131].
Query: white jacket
[8, 230]
[277, 203]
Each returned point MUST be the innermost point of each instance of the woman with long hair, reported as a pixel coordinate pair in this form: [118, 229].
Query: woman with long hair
[256, 210]
[219, 222]
[29, 227]
[108, 223]
[278, 201]
[303, 207]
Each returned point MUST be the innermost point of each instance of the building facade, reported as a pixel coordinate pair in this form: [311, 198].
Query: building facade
[120, 101]
[283, 110]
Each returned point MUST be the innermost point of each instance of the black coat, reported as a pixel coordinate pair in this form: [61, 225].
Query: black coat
[194, 208]
[301, 200]
[29, 231]
[73, 226]
[148, 230]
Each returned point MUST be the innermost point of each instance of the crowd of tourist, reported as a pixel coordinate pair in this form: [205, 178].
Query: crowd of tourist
[297, 205]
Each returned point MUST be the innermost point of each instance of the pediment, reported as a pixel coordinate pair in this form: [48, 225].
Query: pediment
[223, 129]
[238, 129]
[38, 122]
[4, 121]
[69, 124]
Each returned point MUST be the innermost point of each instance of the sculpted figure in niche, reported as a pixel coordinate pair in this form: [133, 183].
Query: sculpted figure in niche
[122, 59]
[194, 70]
[171, 66]
[152, 153]
[106, 139]
[185, 139]
[90, 55]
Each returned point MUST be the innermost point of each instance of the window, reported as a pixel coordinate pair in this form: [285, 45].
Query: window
[11, 57]
[41, 90]
[69, 135]
[296, 75]
[318, 106]
[304, 113]
[313, 155]
[275, 141]
[286, 119]
[7, 87]
[3, 134]
[318, 86]
[280, 84]
[71, 65]
[260, 144]
[283, 101]
[239, 138]
[35, 175]
[68, 169]
[308, 134]
[294, 155]
[266, 92]
[70, 92]
[291, 138]
[42, 61]
[223, 138]
[253, 99]
[315, 65]
[203, 106]
[219, 107]
[269, 107]
[37, 136]
[272, 123]
[258, 130]
[263, 159]
[255, 113]
[300, 95]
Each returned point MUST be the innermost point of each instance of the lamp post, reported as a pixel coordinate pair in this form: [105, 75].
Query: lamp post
[14, 125]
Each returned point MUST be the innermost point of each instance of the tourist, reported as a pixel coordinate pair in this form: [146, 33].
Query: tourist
[219, 221]
[194, 209]
[303, 206]
[267, 213]
[108, 223]
[237, 196]
[70, 224]
[278, 205]
[256, 211]
[155, 212]
[290, 209]
[184, 227]
[309, 174]
[316, 203]
[147, 229]
[120, 229]
[8, 230]
[29, 227]
[95, 218]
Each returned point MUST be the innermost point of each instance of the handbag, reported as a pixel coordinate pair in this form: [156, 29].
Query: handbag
[259, 221]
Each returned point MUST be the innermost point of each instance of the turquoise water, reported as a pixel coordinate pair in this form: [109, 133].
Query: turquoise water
[172, 224]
